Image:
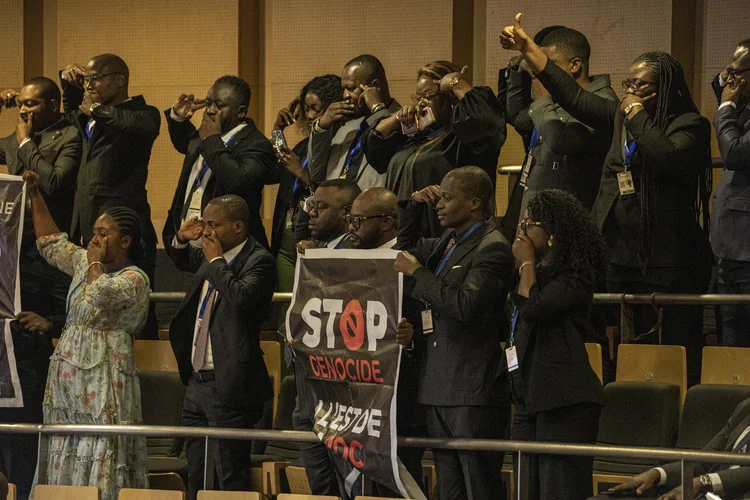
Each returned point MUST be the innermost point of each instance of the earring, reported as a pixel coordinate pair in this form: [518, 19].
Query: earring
[549, 241]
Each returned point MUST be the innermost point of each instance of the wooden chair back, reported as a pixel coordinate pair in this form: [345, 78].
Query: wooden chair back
[229, 495]
[594, 351]
[272, 358]
[726, 365]
[653, 363]
[137, 494]
[154, 356]
[54, 492]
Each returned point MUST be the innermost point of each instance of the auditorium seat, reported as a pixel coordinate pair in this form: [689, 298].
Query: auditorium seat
[50, 492]
[277, 455]
[297, 479]
[653, 363]
[135, 494]
[272, 358]
[154, 356]
[636, 414]
[726, 365]
[706, 411]
[594, 351]
[230, 495]
[161, 400]
[12, 493]
[294, 496]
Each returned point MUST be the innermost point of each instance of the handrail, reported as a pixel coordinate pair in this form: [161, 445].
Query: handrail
[509, 170]
[659, 299]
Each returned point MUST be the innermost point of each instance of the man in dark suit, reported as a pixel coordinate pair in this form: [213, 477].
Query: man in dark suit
[118, 133]
[728, 482]
[45, 143]
[227, 154]
[730, 216]
[462, 278]
[214, 335]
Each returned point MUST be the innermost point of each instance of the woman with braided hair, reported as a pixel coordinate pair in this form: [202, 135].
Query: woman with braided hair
[654, 188]
[92, 377]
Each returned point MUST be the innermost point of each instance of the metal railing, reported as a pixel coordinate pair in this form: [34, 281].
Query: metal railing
[523, 448]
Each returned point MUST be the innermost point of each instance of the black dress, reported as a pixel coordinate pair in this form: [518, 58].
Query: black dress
[474, 137]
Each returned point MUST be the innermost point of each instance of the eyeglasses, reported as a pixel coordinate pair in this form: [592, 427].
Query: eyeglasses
[97, 78]
[732, 74]
[635, 84]
[356, 220]
[424, 100]
[524, 225]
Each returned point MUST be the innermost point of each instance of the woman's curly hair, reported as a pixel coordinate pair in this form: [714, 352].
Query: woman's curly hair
[328, 89]
[577, 243]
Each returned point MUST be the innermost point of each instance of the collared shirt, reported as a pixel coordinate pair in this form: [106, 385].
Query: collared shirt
[718, 488]
[334, 242]
[390, 244]
[209, 359]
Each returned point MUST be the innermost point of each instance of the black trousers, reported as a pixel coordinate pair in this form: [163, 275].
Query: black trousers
[468, 475]
[682, 325]
[557, 477]
[203, 408]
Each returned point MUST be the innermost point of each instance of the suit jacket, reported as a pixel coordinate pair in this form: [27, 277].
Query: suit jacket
[676, 156]
[54, 154]
[245, 290]
[553, 323]
[730, 217]
[114, 167]
[569, 154]
[328, 150]
[736, 482]
[242, 167]
[286, 198]
[460, 359]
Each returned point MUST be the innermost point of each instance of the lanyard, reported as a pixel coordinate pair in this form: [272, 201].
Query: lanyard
[341, 241]
[355, 148]
[297, 182]
[513, 322]
[80, 283]
[205, 167]
[534, 139]
[210, 289]
[629, 152]
[450, 252]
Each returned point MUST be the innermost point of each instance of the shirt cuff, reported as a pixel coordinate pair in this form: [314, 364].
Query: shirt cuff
[728, 103]
[662, 476]
[216, 258]
[24, 142]
[722, 82]
[716, 485]
[178, 245]
[174, 116]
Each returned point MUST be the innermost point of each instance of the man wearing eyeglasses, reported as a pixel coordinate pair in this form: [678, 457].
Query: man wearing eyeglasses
[730, 218]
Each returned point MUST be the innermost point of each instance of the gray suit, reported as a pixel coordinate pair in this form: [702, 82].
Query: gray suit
[329, 149]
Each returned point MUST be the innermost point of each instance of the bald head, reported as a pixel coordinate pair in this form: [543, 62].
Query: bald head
[374, 218]
[110, 63]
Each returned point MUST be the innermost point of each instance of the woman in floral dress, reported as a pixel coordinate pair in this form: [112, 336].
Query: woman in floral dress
[92, 377]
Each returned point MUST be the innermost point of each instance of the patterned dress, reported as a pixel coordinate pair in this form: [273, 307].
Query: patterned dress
[92, 377]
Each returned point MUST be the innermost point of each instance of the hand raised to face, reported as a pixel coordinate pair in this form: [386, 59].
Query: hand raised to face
[187, 105]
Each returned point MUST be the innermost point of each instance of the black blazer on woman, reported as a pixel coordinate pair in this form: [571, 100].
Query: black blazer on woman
[676, 156]
[553, 323]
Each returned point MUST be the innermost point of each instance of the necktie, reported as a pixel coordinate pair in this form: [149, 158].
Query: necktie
[450, 244]
[201, 342]
[354, 158]
[740, 447]
[90, 130]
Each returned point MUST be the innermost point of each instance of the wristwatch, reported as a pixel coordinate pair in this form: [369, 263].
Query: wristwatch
[630, 107]
[454, 81]
[705, 480]
[94, 106]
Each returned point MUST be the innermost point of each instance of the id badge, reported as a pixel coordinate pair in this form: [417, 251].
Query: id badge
[427, 321]
[625, 182]
[511, 356]
[195, 200]
[526, 169]
[289, 214]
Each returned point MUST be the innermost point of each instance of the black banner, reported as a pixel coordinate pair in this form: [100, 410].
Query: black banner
[342, 324]
[12, 202]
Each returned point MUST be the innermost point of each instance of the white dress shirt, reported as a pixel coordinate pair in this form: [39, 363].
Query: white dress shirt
[208, 364]
[334, 242]
[390, 244]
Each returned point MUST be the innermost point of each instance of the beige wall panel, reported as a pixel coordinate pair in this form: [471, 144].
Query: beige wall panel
[170, 47]
[11, 67]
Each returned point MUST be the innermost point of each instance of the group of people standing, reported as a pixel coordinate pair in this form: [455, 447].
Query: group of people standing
[615, 188]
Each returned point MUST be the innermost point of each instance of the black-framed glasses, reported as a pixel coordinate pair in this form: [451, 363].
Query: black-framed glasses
[423, 99]
[356, 220]
[635, 84]
[524, 225]
[97, 78]
[732, 74]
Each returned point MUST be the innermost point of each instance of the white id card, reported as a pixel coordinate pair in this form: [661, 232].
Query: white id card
[625, 181]
[427, 321]
[526, 169]
[512, 358]
[195, 199]
[288, 221]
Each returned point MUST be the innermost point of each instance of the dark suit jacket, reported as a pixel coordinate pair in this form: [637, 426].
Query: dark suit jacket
[54, 154]
[460, 360]
[286, 198]
[553, 323]
[242, 167]
[736, 482]
[676, 156]
[245, 291]
[730, 217]
[114, 168]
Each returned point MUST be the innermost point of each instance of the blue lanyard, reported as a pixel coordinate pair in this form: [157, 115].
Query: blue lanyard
[629, 152]
[341, 241]
[72, 293]
[356, 146]
[297, 182]
[534, 138]
[203, 171]
[513, 327]
[450, 252]
[210, 289]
